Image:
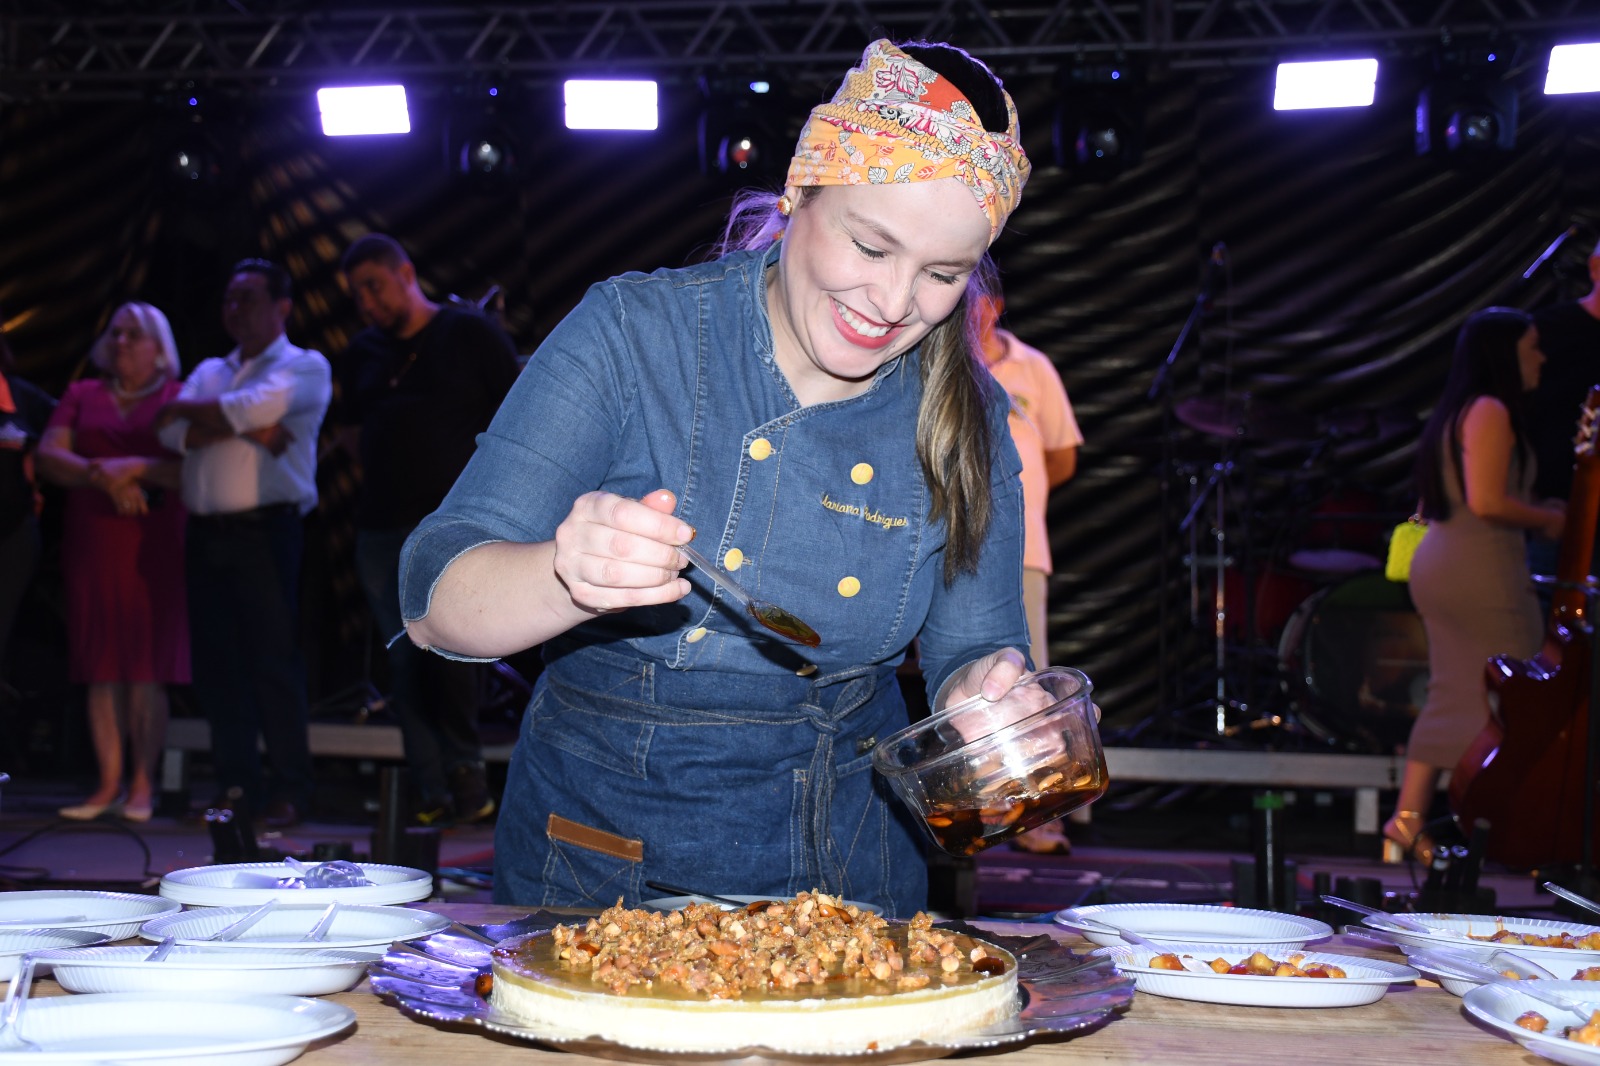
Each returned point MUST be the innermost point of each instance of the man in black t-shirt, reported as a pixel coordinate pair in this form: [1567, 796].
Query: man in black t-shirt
[419, 384]
[1569, 334]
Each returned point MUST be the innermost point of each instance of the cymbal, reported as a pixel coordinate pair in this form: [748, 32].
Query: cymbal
[1241, 416]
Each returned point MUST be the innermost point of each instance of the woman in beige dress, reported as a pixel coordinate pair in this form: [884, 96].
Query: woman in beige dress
[1469, 578]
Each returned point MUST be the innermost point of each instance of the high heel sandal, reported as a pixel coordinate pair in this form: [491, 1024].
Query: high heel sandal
[1403, 838]
[88, 812]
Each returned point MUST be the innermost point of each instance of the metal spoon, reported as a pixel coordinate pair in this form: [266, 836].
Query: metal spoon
[1398, 921]
[679, 890]
[11, 1011]
[770, 615]
[1571, 896]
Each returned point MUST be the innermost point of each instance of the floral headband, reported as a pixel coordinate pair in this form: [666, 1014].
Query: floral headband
[895, 120]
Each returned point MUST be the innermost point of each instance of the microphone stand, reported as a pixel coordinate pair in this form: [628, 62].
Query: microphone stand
[1159, 387]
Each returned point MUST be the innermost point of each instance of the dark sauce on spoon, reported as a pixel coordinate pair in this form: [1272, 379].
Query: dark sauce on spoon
[784, 624]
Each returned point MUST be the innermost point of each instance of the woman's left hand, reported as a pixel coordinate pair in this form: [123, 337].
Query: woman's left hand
[991, 677]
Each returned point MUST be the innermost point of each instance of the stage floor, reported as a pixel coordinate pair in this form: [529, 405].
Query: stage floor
[1174, 844]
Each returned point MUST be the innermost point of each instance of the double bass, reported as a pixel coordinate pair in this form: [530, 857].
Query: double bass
[1525, 772]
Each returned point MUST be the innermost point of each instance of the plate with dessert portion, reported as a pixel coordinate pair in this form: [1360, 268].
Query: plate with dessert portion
[806, 979]
[1245, 977]
[1552, 944]
[1193, 923]
[1568, 1036]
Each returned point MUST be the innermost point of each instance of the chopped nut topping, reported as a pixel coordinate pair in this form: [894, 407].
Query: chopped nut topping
[779, 945]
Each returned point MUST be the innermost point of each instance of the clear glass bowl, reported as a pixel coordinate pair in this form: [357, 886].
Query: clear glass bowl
[980, 772]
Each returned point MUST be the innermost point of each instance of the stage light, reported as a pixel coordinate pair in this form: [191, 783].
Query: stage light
[1466, 116]
[611, 105]
[1574, 68]
[742, 130]
[359, 110]
[1098, 131]
[1325, 83]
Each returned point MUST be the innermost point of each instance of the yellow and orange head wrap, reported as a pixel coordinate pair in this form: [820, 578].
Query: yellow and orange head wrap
[895, 120]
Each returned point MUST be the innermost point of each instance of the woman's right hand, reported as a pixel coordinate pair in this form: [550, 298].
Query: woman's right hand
[1555, 521]
[612, 553]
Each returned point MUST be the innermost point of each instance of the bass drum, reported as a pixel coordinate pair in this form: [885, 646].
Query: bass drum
[1354, 660]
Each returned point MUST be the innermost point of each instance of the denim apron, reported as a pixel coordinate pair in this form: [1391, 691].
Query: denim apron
[755, 784]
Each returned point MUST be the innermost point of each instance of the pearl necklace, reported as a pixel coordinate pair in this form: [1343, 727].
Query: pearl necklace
[124, 396]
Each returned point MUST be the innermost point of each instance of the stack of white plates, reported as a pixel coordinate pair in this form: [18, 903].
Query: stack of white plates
[246, 884]
[116, 914]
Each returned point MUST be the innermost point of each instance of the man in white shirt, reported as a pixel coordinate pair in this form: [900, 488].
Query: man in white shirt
[247, 427]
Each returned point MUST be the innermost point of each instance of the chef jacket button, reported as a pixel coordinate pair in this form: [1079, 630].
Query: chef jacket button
[760, 448]
[807, 670]
[733, 560]
[696, 634]
[849, 586]
[861, 473]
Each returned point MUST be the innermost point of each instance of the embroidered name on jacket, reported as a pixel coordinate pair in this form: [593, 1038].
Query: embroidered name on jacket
[866, 514]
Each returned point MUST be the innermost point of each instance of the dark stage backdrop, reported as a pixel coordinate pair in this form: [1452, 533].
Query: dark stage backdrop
[1350, 263]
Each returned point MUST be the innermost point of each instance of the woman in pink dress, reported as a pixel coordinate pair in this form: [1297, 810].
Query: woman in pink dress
[122, 553]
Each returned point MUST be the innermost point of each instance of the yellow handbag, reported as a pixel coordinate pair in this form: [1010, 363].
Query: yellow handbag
[1402, 546]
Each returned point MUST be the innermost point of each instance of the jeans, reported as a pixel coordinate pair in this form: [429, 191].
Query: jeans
[626, 771]
[435, 699]
[249, 671]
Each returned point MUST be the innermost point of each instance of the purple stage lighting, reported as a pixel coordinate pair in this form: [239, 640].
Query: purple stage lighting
[355, 110]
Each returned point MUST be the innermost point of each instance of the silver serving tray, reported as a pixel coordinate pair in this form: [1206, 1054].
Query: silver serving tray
[434, 979]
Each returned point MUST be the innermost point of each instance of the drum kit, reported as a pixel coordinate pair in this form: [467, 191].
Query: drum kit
[1309, 642]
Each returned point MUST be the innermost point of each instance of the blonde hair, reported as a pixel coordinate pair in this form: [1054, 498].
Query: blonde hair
[955, 441]
[154, 324]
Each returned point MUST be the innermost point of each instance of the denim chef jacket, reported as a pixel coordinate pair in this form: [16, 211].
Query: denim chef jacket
[685, 742]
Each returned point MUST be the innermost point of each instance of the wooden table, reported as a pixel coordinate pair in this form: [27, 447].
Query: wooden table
[1412, 1024]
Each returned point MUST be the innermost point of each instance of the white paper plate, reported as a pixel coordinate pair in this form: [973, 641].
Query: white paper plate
[246, 884]
[1499, 1007]
[355, 926]
[1366, 979]
[207, 969]
[15, 942]
[672, 903]
[116, 914]
[1452, 932]
[189, 1030]
[1190, 923]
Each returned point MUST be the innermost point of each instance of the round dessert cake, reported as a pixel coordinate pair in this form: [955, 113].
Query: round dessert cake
[801, 976]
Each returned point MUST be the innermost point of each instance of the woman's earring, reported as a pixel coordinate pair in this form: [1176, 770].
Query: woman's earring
[785, 205]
